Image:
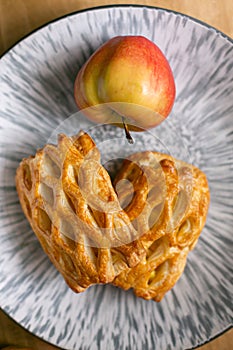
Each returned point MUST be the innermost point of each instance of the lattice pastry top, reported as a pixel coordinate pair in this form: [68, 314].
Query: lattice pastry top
[68, 198]
[172, 220]
[136, 235]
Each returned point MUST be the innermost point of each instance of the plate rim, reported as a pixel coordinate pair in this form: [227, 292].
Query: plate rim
[101, 7]
[60, 348]
[92, 9]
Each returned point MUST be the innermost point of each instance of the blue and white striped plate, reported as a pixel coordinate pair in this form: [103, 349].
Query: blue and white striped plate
[36, 96]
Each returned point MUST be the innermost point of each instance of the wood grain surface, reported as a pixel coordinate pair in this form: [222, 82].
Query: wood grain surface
[20, 17]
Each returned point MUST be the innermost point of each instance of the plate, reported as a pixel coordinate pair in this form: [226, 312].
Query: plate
[37, 77]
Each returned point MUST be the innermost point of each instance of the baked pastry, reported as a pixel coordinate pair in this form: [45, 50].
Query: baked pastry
[69, 200]
[170, 210]
[136, 236]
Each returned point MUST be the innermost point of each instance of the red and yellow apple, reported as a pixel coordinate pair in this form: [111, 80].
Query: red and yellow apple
[128, 77]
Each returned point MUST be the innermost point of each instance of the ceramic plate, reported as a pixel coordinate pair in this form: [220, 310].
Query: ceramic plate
[37, 77]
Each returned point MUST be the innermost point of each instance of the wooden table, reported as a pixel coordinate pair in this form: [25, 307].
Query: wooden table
[19, 17]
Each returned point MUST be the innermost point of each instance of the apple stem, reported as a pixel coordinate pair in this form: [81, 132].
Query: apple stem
[127, 133]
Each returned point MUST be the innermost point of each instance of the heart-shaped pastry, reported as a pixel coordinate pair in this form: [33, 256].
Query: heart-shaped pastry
[136, 235]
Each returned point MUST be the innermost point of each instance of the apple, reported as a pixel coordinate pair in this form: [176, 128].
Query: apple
[127, 77]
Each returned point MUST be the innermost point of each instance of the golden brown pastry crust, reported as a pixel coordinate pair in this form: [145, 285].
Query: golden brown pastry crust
[177, 228]
[137, 236]
[69, 200]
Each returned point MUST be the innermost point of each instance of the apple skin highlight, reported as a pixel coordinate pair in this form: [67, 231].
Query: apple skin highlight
[128, 76]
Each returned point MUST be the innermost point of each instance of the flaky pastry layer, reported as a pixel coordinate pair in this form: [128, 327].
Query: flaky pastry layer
[136, 233]
[172, 218]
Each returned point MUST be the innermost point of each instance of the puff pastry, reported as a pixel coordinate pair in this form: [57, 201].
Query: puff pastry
[135, 233]
[69, 200]
[180, 216]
